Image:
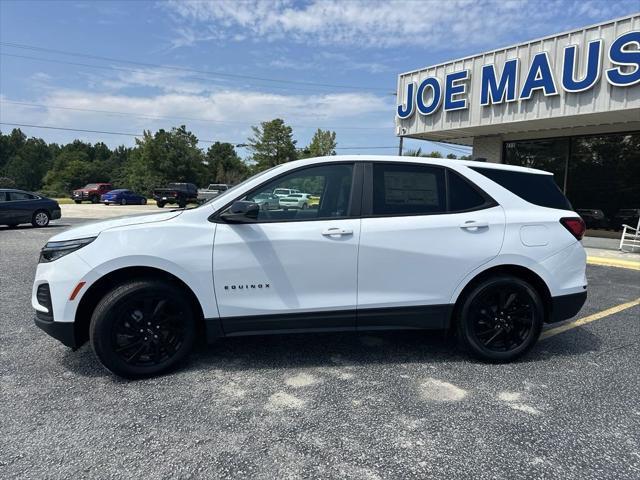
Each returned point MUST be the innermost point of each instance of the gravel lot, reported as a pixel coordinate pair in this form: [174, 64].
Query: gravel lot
[387, 405]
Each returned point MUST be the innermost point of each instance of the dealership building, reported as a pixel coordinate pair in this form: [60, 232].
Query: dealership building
[568, 103]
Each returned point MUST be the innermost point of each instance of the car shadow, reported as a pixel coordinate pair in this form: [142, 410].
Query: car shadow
[31, 227]
[335, 350]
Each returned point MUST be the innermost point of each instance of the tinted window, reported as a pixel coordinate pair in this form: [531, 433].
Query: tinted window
[20, 196]
[327, 189]
[3, 196]
[462, 195]
[534, 188]
[407, 189]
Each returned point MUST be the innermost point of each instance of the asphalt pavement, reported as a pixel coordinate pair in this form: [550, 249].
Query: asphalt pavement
[346, 406]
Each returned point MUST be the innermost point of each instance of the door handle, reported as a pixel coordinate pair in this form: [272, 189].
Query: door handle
[337, 231]
[469, 224]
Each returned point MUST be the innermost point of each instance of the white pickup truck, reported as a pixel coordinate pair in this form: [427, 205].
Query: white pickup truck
[212, 191]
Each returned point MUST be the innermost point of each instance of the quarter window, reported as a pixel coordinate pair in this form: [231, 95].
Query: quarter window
[462, 196]
[308, 194]
[406, 189]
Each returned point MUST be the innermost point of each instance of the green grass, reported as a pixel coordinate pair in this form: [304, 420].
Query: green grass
[68, 201]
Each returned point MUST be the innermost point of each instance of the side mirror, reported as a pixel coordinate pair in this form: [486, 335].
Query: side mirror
[241, 212]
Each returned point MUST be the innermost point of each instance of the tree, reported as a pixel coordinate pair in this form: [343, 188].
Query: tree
[272, 144]
[29, 164]
[434, 154]
[452, 156]
[465, 157]
[413, 153]
[322, 144]
[163, 157]
[71, 169]
[224, 164]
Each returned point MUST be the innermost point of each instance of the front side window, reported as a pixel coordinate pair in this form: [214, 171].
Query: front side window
[308, 194]
[405, 189]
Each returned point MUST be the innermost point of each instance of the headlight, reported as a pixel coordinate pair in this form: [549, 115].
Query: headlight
[54, 250]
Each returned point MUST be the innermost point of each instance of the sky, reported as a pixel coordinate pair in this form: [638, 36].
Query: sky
[221, 66]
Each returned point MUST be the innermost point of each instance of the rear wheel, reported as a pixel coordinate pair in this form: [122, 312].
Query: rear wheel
[95, 199]
[143, 201]
[160, 204]
[182, 204]
[123, 202]
[143, 328]
[78, 202]
[40, 218]
[500, 319]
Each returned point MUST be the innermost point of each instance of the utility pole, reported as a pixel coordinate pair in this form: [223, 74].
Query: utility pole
[400, 145]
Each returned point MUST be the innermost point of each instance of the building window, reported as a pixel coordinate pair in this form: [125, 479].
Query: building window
[596, 172]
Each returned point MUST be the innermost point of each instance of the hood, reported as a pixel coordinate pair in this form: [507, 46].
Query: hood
[93, 229]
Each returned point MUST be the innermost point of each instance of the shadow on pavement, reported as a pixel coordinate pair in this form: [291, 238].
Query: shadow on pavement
[339, 349]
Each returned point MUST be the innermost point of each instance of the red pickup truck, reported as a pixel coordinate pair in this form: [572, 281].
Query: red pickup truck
[91, 192]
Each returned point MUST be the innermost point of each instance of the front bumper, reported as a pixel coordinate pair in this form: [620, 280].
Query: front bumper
[62, 331]
[564, 307]
[56, 214]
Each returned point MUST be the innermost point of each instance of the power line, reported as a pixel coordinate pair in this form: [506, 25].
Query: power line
[125, 69]
[130, 134]
[186, 69]
[161, 117]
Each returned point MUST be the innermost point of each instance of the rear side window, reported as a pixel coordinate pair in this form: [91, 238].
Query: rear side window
[462, 195]
[408, 189]
[533, 187]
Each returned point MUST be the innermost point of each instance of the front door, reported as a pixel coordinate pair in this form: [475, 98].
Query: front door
[424, 230]
[293, 268]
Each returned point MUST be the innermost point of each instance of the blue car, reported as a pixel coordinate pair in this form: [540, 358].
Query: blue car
[123, 197]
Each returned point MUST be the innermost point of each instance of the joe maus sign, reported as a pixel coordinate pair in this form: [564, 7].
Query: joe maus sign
[574, 73]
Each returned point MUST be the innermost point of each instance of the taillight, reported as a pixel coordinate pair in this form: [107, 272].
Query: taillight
[575, 225]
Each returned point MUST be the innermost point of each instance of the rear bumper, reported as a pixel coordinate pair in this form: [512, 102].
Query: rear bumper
[62, 331]
[564, 307]
[56, 214]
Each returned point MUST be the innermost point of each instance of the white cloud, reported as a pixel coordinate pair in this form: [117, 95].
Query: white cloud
[224, 115]
[432, 24]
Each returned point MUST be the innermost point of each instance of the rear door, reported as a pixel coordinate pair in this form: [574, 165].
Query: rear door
[424, 228]
[293, 269]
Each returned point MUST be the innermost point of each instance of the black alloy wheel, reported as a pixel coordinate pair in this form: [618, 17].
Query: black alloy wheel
[143, 328]
[501, 318]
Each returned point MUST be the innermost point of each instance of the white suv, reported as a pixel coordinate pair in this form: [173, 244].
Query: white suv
[489, 251]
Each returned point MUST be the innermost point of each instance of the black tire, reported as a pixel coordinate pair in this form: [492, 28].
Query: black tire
[160, 204]
[40, 218]
[182, 204]
[123, 202]
[304, 206]
[78, 202]
[142, 328]
[95, 199]
[144, 201]
[500, 319]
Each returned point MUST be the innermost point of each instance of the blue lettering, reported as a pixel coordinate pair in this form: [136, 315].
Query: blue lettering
[594, 63]
[434, 84]
[540, 77]
[406, 110]
[621, 56]
[493, 91]
[452, 90]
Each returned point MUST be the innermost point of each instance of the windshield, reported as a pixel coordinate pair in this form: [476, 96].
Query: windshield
[91, 185]
[281, 190]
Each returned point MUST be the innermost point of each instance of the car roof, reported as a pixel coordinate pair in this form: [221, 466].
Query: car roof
[444, 162]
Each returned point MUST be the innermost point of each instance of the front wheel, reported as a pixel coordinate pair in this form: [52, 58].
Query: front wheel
[500, 319]
[95, 199]
[78, 202]
[40, 218]
[143, 328]
[160, 204]
[123, 202]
